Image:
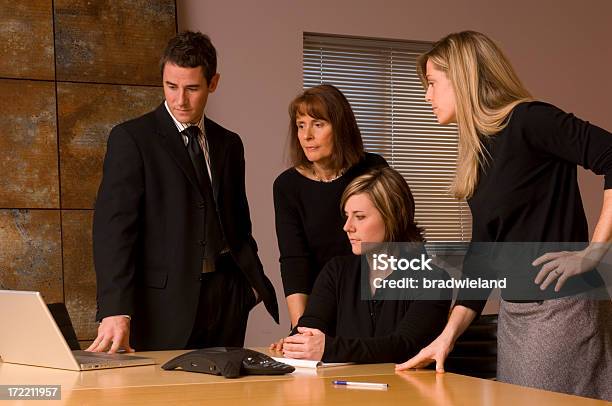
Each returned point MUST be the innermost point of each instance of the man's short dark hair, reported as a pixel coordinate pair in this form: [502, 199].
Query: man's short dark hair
[189, 50]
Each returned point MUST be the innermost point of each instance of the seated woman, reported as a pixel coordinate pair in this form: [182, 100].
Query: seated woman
[338, 324]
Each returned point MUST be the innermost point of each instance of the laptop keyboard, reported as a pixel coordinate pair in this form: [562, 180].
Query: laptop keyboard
[86, 357]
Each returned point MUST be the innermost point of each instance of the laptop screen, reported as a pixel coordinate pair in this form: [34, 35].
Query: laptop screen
[29, 333]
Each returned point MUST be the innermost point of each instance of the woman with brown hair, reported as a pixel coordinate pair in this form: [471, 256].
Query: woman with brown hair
[326, 152]
[517, 169]
[349, 316]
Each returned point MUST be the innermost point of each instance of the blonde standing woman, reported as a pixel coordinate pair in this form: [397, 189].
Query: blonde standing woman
[517, 169]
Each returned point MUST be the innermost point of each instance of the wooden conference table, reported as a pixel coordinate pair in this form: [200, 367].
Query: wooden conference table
[150, 385]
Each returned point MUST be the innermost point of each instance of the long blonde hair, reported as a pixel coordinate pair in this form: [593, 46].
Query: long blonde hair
[486, 91]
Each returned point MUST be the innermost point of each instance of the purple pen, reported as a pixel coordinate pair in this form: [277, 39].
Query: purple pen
[362, 384]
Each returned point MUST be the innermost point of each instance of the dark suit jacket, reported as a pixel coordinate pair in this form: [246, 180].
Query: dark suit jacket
[149, 227]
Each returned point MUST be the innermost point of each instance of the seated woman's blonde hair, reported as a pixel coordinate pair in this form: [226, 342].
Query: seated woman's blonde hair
[392, 197]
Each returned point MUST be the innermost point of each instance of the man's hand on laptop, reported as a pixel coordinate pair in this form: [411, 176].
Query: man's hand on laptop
[113, 333]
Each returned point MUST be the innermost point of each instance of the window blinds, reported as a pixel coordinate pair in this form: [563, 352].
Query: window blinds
[380, 81]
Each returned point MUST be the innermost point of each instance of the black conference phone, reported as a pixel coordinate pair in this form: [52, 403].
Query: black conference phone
[231, 362]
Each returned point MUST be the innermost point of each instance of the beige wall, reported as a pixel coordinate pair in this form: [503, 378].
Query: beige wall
[560, 49]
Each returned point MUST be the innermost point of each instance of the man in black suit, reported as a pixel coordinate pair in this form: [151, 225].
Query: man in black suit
[175, 261]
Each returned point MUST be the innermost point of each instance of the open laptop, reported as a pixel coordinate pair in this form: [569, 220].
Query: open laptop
[29, 335]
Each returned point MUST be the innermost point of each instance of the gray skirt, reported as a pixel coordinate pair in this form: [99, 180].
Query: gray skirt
[561, 345]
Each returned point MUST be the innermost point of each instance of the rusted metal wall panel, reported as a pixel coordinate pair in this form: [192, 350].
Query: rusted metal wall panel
[26, 39]
[87, 112]
[28, 141]
[112, 41]
[30, 252]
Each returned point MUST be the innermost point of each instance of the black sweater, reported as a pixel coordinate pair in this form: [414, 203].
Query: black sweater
[309, 223]
[368, 331]
[528, 189]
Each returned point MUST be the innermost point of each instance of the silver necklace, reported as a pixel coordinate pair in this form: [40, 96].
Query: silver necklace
[321, 179]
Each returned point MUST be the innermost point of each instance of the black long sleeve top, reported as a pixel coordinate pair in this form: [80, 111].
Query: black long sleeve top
[309, 223]
[528, 190]
[368, 331]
